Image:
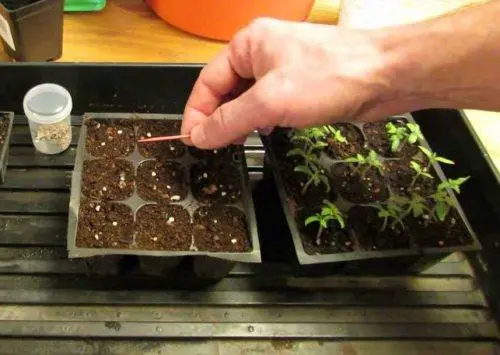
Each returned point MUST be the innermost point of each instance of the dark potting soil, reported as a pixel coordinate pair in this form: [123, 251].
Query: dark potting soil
[104, 225]
[156, 128]
[377, 138]
[400, 176]
[163, 228]
[354, 145]
[108, 179]
[366, 228]
[161, 182]
[4, 127]
[216, 182]
[210, 154]
[355, 188]
[435, 234]
[110, 138]
[220, 229]
[331, 241]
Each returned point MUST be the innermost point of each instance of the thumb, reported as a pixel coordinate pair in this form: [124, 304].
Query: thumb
[258, 107]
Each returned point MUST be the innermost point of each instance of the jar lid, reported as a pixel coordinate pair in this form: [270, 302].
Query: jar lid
[47, 104]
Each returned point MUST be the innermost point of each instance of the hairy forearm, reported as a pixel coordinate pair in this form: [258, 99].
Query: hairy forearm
[450, 62]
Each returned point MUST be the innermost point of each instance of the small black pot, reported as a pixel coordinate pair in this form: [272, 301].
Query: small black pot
[32, 30]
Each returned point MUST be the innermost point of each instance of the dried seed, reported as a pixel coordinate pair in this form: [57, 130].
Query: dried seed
[96, 236]
[170, 220]
[98, 125]
[215, 221]
[153, 173]
[205, 175]
[155, 239]
[154, 187]
[172, 148]
[148, 134]
[103, 144]
[122, 177]
[175, 198]
[234, 241]
[119, 131]
[115, 223]
[122, 184]
[97, 208]
[169, 187]
[104, 188]
[115, 244]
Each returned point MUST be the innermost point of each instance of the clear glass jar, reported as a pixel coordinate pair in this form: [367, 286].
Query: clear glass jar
[48, 108]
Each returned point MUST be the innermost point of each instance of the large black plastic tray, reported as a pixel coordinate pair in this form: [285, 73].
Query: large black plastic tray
[245, 204]
[4, 147]
[413, 252]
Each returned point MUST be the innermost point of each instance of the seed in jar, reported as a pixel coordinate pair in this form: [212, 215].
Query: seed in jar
[96, 236]
[103, 144]
[115, 223]
[148, 134]
[175, 198]
[119, 131]
[170, 220]
[233, 240]
[153, 173]
[97, 208]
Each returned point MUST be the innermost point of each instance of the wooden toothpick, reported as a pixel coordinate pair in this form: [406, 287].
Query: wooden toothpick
[164, 138]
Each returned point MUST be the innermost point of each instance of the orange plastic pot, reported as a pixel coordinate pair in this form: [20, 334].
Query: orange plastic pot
[221, 19]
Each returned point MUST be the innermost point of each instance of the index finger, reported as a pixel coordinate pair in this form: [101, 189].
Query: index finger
[216, 80]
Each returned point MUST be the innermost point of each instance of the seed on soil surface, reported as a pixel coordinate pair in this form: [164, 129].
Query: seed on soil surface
[223, 193]
[215, 221]
[154, 187]
[440, 243]
[119, 131]
[216, 238]
[175, 198]
[98, 125]
[169, 187]
[96, 236]
[172, 148]
[115, 223]
[148, 134]
[205, 175]
[97, 208]
[233, 240]
[122, 177]
[215, 151]
[103, 144]
[348, 244]
[155, 239]
[122, 184]
[425, 216]
[453, 220]
[115, 244]
[153, 173]
[170, 220]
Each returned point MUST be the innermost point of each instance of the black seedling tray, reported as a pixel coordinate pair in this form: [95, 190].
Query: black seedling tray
[413, 254]
[33, 29]
[244, 204]
[4, 146]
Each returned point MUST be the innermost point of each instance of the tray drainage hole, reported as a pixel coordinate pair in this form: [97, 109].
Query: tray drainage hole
[250, 329]
[236, 158]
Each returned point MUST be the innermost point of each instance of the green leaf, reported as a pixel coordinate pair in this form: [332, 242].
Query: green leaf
[303, 169]
[416, 166]
[445, 161]
[295, 152]
[351, 160]
[441, 210]
[325, 182]
[323, 223]
[311, 219]
[395, 144]
[428, 175]
[341, 221]
[412, 138]
[426, 151]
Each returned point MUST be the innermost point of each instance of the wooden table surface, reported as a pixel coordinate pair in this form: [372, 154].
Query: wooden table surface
[128, 31]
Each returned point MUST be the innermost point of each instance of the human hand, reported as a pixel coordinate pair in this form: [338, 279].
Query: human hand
[304, 75]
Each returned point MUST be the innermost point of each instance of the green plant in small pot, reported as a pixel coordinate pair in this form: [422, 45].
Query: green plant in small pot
[399, 136]
[329, 214]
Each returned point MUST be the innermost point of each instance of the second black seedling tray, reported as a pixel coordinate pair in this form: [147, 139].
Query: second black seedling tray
[6, 121]
[136, 201]
[355, 251]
